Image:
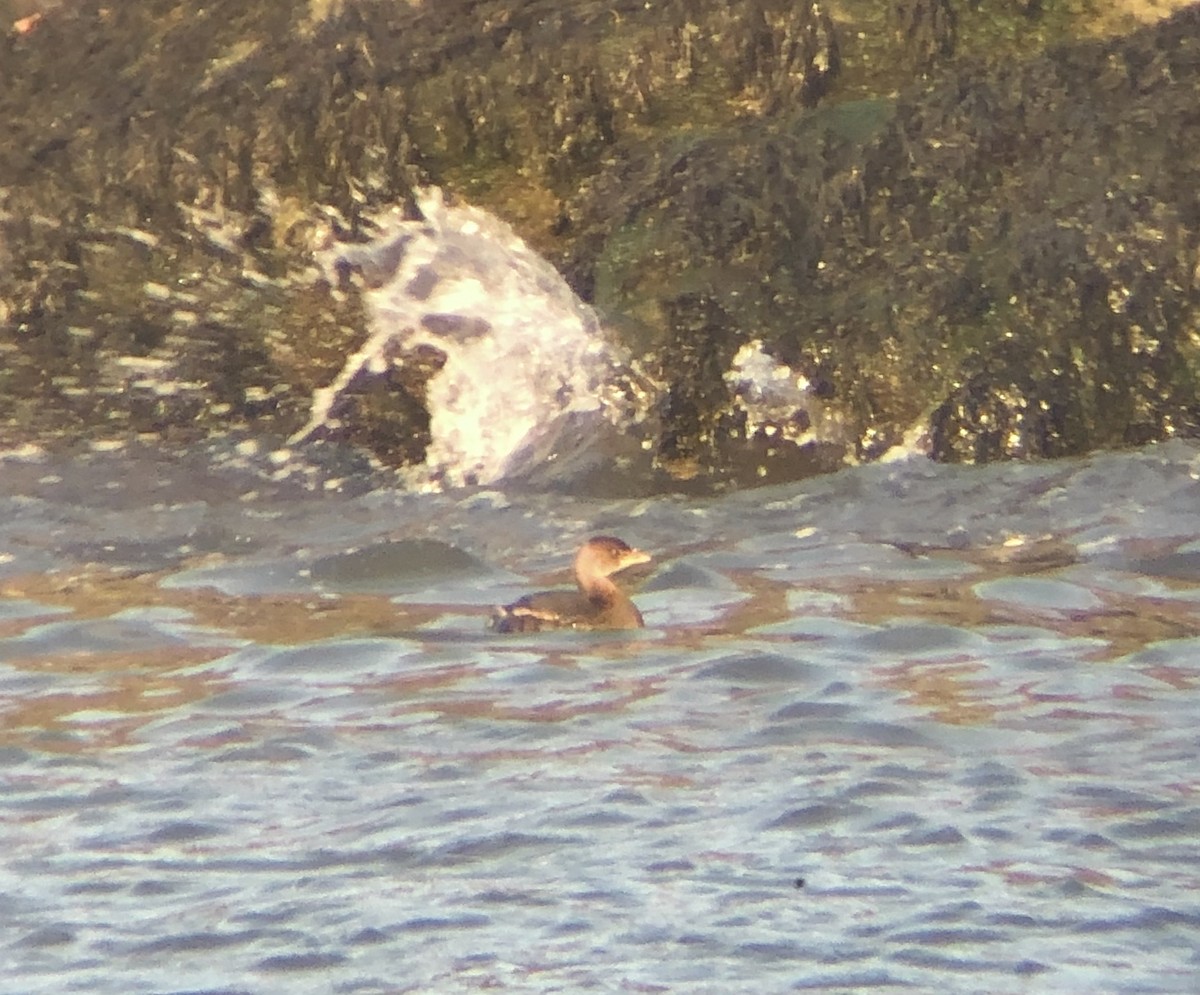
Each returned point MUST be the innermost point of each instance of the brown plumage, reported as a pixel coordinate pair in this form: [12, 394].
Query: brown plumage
[598, 604]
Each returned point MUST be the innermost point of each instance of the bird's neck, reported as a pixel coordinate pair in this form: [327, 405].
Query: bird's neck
[600, 590]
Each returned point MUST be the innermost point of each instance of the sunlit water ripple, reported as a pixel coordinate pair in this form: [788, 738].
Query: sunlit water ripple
[906, 726]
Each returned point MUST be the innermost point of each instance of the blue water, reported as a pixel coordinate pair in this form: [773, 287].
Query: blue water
[257, 738]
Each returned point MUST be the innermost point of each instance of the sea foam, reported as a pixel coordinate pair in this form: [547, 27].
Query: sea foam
[529, 374]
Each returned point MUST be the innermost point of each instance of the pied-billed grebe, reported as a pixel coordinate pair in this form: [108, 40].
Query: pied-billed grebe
[598, 604]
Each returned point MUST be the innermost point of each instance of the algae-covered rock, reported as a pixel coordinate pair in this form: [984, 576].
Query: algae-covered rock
[170, 172]
[1007, 256]
[921, 215]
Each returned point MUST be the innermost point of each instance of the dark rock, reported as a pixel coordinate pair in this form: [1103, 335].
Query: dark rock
[1013, 249]
[1005, 255]
[927, 29]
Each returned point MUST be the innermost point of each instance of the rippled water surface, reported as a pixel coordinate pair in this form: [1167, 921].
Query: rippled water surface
[911, 726]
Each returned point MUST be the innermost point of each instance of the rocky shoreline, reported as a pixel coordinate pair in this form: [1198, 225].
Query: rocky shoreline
[975, 224]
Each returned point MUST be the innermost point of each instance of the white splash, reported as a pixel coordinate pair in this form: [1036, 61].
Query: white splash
[528, 372]
[778, 402]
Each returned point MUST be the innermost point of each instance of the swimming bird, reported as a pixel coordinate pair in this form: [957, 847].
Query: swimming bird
[598, 604]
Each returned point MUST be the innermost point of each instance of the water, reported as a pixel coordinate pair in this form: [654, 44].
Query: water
[257, 738]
